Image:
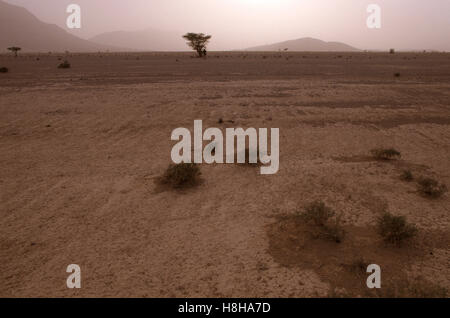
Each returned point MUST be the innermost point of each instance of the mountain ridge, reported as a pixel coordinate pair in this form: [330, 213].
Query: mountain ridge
[304, 45]
[143, 40]
[19, 27]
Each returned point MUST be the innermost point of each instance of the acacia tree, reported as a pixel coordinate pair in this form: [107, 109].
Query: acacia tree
[14, 49]
[198, 42]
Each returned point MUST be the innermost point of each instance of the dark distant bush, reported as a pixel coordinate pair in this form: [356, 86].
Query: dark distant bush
[397, 74]
[4, 70]
[392, 51]
[431, 188]
[181, 175]
[395, 229]
[385, 154]
[64, 64]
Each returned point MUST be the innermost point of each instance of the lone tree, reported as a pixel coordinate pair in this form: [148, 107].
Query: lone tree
[198, 42]
[14, 49]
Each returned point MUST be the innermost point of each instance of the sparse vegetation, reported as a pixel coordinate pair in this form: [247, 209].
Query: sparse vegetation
[407, 176]
[198, 42]
[333, 231]
[431, 188]
[385, 154]
[181, 175]
[4, 70]
[320, 214]
[64, 64]
[395, 229]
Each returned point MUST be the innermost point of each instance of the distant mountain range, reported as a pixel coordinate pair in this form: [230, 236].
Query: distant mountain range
[18, 27]
[144, 40]
[305, 44]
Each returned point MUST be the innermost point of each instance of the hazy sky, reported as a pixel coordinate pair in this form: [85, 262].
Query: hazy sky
[235, 24]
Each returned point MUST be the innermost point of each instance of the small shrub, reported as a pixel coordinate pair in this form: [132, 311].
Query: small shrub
[391, 51]
[431, 188]
[407, 176]
[395, 229]
[64, 64]
[4, 70]
[397, 74]
[333, 232]
[385, 154]
[181, 175]
[318, 213]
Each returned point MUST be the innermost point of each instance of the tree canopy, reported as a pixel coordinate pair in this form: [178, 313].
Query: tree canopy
[198, 42]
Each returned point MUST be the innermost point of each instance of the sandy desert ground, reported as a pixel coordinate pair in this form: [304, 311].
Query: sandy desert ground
[80, 150]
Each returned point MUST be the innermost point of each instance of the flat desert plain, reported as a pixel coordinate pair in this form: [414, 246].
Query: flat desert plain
[81, 149]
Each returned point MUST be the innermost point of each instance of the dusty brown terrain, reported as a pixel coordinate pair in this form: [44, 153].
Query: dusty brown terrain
[80, 149]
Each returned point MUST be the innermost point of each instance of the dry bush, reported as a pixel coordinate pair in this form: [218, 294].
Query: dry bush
[407, 176]
[385, 153]
[395, 229]
[4, 70]
[431, 188]
[64, 64]
[333, 231]
[319, 214]
[181, 175]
